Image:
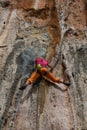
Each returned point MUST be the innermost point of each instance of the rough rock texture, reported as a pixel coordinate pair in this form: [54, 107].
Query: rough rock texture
[56, 30]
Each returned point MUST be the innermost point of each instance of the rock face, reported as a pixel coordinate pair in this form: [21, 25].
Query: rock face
[57, 31]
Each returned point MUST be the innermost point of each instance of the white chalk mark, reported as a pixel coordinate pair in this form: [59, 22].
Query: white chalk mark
[36, 4]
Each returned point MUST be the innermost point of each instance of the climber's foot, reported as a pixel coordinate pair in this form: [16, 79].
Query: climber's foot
[22, 87]
[67, 83]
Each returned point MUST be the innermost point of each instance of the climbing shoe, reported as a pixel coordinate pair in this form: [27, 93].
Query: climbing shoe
[22, 87]
[67, 83]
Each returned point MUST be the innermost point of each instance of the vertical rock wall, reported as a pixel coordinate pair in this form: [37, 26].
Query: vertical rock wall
[74, 50]
[57, 31]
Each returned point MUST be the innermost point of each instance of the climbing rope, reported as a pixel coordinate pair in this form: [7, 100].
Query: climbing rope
[16, 106]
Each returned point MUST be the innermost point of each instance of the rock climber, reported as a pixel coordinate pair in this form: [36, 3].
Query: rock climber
[42, 70]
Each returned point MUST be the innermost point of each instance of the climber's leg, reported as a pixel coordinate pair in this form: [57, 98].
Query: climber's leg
[49, 75]
[33, 77]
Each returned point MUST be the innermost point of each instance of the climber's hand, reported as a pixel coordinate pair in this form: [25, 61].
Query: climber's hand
[51, 68]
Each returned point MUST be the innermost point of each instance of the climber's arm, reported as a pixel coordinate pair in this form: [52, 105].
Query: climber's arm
[51, 68]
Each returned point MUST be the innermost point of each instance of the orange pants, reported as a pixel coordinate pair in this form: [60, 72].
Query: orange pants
[44, 72]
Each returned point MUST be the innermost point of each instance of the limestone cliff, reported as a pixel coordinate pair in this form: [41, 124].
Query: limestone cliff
[56, 30]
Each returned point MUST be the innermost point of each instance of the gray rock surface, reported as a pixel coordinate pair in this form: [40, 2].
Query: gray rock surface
[55, 30]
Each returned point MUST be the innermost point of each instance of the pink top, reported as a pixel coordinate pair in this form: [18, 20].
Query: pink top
[41, 61]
